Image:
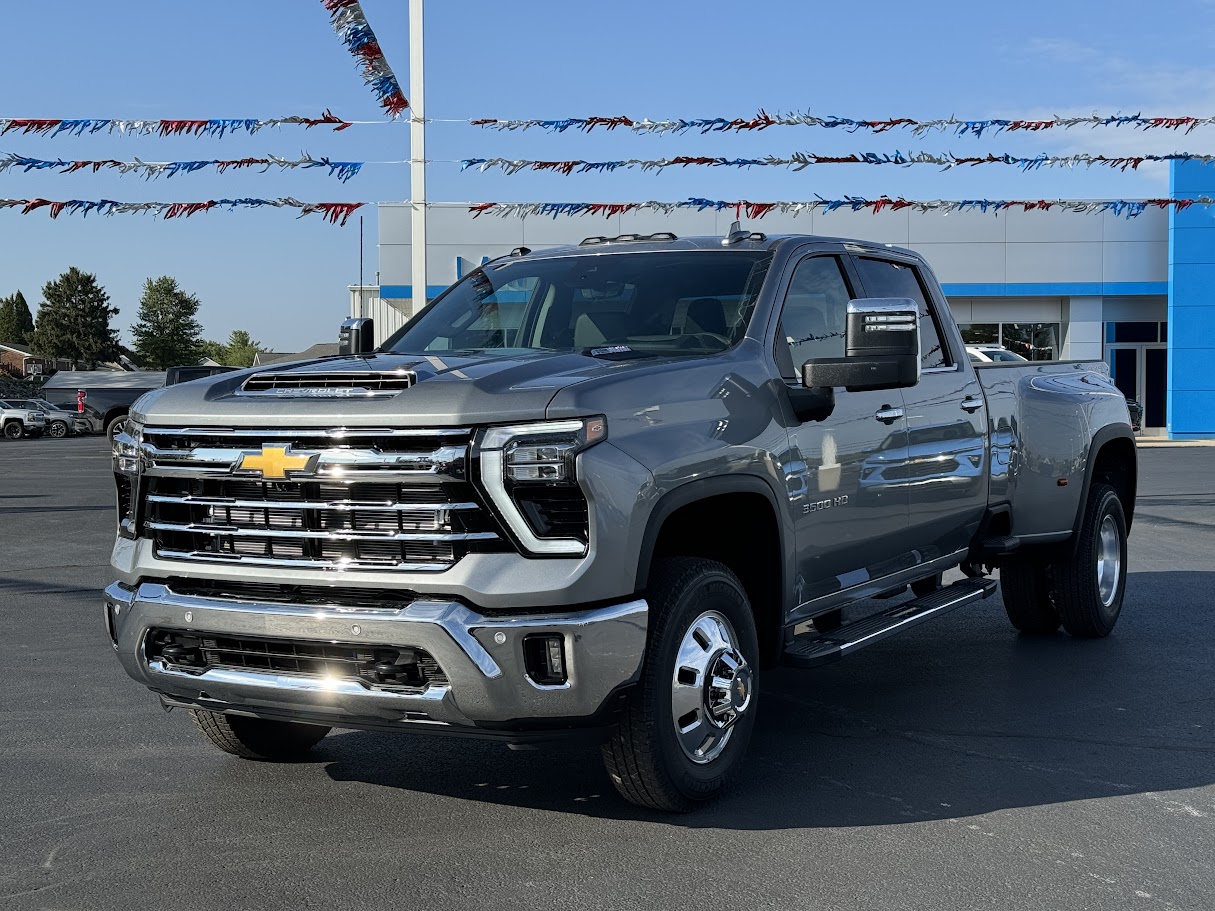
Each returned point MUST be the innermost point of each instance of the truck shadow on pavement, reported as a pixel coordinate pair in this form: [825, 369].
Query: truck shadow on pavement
[956, 719]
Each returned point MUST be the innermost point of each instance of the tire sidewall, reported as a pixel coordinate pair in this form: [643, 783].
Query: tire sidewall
[712, 591]
[57, 429]
[9, 430]
[1108, 505]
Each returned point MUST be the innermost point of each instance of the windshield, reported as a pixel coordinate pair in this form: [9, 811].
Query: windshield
[667, 303]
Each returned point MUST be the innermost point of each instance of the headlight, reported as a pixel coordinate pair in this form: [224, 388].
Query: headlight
[530, 472]
[128, 466]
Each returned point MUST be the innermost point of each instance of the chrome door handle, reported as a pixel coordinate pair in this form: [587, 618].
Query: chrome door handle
[889, 415]
[972, 405]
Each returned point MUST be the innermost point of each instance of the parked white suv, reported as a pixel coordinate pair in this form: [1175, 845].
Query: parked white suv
[19, 421]
[992, 354]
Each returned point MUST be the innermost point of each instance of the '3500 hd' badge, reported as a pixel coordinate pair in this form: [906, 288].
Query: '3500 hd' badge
[820, 505]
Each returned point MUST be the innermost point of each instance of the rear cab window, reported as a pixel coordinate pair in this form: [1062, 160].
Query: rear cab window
[887, 278]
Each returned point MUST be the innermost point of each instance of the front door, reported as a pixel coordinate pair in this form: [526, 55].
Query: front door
[1140, 372]
[945, 474]
[851, 516]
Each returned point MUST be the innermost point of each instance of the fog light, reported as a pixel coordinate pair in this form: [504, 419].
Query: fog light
[544, 658]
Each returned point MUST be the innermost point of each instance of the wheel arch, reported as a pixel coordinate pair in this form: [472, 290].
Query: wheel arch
[754, 542]
[1113, 460]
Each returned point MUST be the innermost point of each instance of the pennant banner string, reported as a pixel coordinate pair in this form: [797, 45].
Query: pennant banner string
[355, 31]
[764, 120]
[1128, 208]
[342, 170]
[801, 160]
[211, 128]
[333, 212]
[340, 212]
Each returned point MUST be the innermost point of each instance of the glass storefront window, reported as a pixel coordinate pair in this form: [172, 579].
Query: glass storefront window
[1134, 332]
[1033, 341]
[980, 333]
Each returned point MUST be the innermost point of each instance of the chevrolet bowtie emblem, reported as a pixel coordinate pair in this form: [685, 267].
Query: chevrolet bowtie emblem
[274, 462]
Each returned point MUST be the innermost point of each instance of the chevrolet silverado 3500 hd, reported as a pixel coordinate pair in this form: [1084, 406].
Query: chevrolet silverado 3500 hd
[600, 490]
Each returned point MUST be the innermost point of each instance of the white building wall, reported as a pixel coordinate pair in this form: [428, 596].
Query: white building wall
[1015, 248]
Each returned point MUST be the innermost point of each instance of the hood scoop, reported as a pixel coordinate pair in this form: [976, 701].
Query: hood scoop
[330, 384]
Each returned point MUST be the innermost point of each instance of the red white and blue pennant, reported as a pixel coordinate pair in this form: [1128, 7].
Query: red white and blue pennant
[334, 212]
[764, 120]
[355, 31]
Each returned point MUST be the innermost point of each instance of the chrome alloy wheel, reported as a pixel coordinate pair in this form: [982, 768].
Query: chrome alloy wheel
[1109, 560]
[711, 689]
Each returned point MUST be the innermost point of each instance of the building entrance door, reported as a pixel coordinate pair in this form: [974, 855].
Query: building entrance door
[1140, 372]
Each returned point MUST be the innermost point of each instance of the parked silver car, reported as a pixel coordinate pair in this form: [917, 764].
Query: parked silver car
[60, 422]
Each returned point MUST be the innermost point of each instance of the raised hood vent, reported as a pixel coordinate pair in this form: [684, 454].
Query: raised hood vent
[330, 383]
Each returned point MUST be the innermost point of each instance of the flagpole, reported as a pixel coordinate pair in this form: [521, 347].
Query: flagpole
[417, 156]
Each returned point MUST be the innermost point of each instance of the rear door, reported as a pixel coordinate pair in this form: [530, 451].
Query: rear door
[850, 521]
[945, 473]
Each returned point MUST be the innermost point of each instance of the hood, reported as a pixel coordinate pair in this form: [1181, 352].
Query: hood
[449, 391]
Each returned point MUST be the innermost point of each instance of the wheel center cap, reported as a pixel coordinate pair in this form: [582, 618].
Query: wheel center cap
[740, 690]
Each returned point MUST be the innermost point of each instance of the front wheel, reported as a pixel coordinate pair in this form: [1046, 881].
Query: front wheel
[258, 738]
[687, 727]
[58, 430]
[13, 430]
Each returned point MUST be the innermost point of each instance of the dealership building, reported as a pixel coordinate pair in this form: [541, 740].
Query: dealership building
[1138, 293]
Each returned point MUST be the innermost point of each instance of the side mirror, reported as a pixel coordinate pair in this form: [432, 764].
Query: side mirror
[356, 336]
[882, 350]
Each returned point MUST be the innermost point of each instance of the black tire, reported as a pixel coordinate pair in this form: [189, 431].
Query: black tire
[114, 427]
[1025, 586]
[1078, 582]
[922, 587]
[14, 430]
[645, 757]
[258, 738]
[830, 621]
[57, 429]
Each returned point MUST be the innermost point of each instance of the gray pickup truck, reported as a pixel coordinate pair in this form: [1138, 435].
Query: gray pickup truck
[599, 491]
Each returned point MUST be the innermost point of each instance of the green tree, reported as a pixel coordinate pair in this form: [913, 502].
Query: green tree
[217, 351]
[74, 320]
[16, 321]
[241, 349]
[166, 331]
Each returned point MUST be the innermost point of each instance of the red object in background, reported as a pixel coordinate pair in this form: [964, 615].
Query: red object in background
[80, 401]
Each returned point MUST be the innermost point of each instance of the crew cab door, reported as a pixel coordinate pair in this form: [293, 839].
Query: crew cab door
[850, 521]
[945, 472]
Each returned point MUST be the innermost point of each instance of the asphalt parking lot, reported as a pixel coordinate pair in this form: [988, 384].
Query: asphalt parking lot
[958, 766]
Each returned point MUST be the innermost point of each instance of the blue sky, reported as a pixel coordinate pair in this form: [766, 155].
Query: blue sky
[285, 280]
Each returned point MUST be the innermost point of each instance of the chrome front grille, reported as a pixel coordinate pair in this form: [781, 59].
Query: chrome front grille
[364, 499]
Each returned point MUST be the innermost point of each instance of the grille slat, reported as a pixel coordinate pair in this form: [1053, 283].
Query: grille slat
[380, 500]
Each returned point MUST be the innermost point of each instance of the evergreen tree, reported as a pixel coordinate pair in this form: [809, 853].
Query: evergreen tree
[166, 332]
[16, 321]
[241, 349]
[74, 320]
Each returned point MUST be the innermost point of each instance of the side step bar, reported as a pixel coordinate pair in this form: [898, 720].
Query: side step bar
[813, 651]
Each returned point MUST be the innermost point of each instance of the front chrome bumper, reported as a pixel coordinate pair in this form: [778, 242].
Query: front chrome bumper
[482, 658]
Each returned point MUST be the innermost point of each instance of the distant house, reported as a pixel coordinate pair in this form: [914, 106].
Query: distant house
[322, 349]
[19, 361]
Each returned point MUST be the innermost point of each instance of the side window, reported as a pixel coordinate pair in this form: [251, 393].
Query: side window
[883, 278]
[814, 320]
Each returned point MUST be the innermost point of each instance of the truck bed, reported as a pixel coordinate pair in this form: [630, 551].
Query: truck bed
[1042, 420]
